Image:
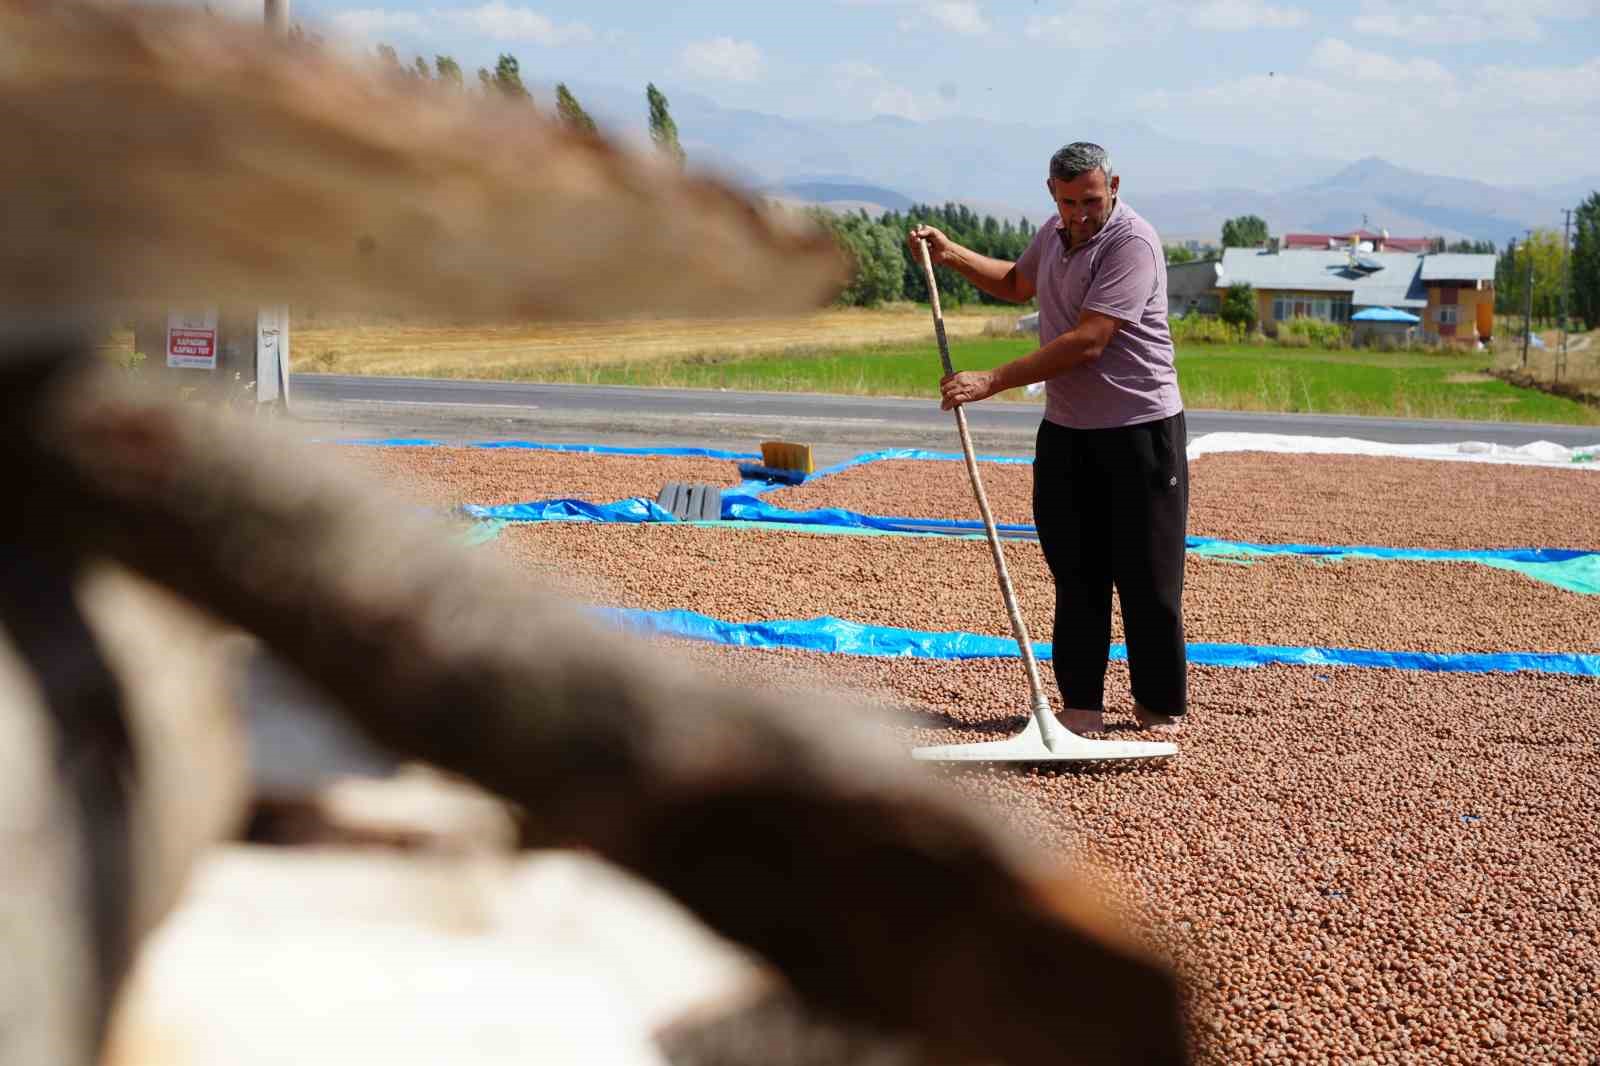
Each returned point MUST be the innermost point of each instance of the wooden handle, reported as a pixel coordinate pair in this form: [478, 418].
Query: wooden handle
[1041, 703]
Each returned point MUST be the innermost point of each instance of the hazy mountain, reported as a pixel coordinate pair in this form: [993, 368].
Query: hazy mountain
[1405, 202]
[843, 191]
[1185, 188]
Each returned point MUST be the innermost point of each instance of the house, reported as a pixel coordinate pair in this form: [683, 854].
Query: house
[1453, 294]
[1377, 242]
[1192, 288]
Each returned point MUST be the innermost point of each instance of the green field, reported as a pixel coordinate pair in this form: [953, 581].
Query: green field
[1247, 378]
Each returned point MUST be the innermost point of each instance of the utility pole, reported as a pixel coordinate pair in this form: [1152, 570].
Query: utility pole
[1527, 296]
[272, 323]
[1566, 284]
[277, 13]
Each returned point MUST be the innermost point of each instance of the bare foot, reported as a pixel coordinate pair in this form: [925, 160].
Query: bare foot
[1082, 722]
[1155, 722]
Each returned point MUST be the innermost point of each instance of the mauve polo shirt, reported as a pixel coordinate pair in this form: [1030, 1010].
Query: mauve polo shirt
[1120, 272]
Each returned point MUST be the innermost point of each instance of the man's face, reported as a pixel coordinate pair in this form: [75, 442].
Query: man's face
[1085, 202]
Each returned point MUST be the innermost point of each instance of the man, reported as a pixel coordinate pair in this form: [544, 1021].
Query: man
[1110, 471]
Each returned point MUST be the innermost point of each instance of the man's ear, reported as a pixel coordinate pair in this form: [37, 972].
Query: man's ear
[1116, 183]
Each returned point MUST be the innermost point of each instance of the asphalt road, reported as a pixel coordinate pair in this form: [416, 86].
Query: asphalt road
[456, 409]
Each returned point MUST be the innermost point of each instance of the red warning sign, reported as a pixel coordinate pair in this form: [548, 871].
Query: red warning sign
[192, 339]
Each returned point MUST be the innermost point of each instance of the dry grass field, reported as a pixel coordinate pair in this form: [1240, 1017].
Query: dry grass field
[331, 345]
[342, 345]
[1582, 370]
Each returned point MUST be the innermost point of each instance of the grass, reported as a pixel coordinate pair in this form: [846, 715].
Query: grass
[1399, 384]
[1242, 378]
[877, 370]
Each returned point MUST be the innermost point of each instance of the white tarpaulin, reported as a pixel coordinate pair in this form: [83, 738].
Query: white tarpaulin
[1539, 453]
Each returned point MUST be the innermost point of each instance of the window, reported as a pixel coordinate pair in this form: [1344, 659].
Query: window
[1322, 308]
[1447, 315]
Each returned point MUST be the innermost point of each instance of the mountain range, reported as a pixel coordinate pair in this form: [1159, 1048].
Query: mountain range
[1186, 189]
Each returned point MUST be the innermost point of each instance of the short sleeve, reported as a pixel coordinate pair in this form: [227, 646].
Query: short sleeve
[1124, 280]
[1028, 264]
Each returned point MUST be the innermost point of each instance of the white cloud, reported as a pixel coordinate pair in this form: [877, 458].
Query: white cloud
[1091, 24]
[1233, 15]
[724, 59]
[1568, 92]
[957, 16]
[1439, 23]
[373, 22]
[502, 22]
[1098, 23]
[865, 83]
[1352, 101]
[1365, 66]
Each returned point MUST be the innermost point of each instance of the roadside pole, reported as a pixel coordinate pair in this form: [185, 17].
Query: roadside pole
[1527, 302]
[277, 13]
[272, 323]
[1566, 284]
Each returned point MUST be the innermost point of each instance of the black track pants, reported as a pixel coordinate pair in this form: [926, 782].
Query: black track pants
[1111, 506]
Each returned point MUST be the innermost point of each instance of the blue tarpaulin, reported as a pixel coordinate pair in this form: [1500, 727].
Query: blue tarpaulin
[841, 637]
[536, 446]
[911, 453]
[1571, 569]
[635, 509]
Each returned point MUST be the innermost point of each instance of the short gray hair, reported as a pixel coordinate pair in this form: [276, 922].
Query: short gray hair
[1080, 157]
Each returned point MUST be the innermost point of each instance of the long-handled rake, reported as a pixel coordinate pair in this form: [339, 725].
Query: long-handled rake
[1044, 739]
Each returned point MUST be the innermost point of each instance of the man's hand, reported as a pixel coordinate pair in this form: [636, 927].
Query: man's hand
[941, 249]
[968, 386]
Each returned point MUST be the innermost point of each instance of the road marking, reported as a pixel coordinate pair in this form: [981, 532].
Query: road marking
[763, 416]
[438, 403]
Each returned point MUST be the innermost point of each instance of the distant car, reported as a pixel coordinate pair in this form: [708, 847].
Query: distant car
[1028, 323]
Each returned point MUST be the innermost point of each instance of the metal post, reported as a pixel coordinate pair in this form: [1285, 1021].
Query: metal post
[1566, 284]
[277, 12]
[272, 323]
[1527, 304]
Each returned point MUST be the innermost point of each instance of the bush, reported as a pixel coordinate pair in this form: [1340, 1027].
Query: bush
[1206, 329]
[1239, 306]
[877, 276]
[1313, 333]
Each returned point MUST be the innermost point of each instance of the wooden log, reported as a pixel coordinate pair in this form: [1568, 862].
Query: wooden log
[98, 839]
[785, 826]
[160, 156]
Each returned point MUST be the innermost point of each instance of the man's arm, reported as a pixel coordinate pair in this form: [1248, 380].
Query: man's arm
[1073, 348]
[997, 277]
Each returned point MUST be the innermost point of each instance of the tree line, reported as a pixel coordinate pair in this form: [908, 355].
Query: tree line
[505, 82]
[1534, 267]
[887, 270]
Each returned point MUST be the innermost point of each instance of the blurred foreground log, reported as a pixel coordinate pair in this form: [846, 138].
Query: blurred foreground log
[101, 818]
[156, 158]
[784, 826]
[160, 157]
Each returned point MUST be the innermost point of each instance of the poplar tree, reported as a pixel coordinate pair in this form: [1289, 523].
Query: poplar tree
[662, 129]
[571, 113]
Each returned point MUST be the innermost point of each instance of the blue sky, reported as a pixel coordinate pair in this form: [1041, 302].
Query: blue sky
[1505, 91]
